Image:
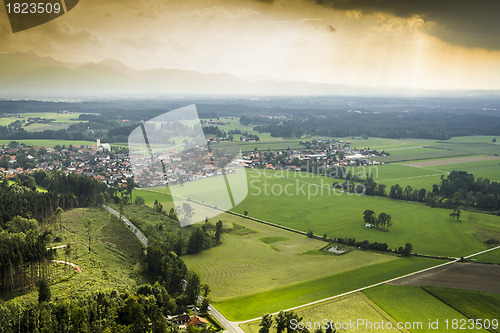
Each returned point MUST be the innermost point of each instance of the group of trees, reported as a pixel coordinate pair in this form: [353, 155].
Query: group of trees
[459, 188]
[366, 245]
[425, 125]
[289, 321]
[381, 222]
[24, 258]
[112, 311]
[169, 270]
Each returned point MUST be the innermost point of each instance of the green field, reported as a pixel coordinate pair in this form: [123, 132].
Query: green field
[339, 310]
[422, 154]
[266, 257]
[415, 305]
[61, 120]
[49, 143]
[488, 257]
[486, 169]
[473, 304]
[288, 296]
[309, 207]
[324, 211]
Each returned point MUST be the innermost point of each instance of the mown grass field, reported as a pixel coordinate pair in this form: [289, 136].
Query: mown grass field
[260, 258]
[415, 305]
[288, 296]
[473, 304]
[340, 310]
[488, 257]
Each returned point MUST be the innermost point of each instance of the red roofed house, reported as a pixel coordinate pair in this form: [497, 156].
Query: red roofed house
[196, 321]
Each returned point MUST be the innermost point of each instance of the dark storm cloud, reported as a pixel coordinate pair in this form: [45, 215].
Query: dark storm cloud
[462, 22]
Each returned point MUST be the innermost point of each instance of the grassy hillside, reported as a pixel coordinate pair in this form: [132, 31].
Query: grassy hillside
[111, 263]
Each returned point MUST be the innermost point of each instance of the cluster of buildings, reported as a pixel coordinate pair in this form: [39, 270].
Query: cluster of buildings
[324, 152]
[173, 166]
[97, 161]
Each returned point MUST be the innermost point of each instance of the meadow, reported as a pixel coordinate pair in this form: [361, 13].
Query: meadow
[264, 257]
[61, 120]
[303, 205]
[471, 303]
[415, 305]
[292, 295]
[339, 310]
[492, 257]
[309, 207]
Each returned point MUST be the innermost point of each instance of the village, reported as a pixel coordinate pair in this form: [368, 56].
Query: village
[113, 165]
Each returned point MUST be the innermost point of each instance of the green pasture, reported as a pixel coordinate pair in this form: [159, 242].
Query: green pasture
[488, 257]
[266, 257]
[428, 153]
[471, 303]
[309, 207]
[288, 296]
[470, 147]
[409, 304]
[384, 143]
[486, 169]
[61, 121]
[339, 310]
[303, 205]
[473, 139]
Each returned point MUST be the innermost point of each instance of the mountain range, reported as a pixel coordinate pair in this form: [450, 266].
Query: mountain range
[28, 75]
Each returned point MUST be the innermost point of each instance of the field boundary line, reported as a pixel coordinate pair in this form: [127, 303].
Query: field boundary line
[357, 290]
[488, 250]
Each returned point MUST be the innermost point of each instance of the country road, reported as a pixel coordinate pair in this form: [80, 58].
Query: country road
[132, 227]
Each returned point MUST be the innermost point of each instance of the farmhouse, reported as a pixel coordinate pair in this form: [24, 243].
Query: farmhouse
[196, 322]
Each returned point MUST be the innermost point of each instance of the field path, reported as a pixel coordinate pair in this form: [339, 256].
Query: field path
[75, 266]
[378, 284]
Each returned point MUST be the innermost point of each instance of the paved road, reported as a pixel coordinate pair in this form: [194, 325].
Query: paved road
[132, 227]
[231, 327]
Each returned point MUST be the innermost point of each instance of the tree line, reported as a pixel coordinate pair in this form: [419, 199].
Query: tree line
[143, 310]
[459, 188]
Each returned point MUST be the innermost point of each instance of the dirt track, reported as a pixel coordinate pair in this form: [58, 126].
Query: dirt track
[453, 161]
[480, 277]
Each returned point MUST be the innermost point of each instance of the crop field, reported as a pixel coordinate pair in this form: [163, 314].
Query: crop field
[473, 304]
[351, 307]
[288, 296]
[415, 305]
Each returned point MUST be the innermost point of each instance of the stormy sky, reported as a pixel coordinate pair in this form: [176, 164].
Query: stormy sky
[440, 44]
